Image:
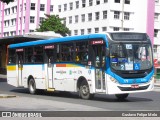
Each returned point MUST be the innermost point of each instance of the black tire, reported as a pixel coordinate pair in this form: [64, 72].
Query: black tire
[121, 96]
[84, 91]
[32, 86]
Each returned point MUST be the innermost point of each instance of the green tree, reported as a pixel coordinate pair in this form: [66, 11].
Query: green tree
[7, 1]
[53, 23]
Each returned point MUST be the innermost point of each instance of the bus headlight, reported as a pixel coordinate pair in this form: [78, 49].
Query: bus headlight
[113, 79]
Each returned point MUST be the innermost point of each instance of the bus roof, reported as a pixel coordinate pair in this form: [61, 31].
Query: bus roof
[58, 40]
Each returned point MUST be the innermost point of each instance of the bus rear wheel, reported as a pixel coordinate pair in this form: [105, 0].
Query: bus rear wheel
[121, 96]
[32, 86]
[84, 91]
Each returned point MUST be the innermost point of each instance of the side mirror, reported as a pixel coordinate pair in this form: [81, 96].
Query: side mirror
[107, 52]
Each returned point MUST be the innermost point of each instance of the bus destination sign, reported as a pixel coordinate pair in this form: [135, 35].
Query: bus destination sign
[49, 47]
[97, 42]
[19, 50]
[128, 36]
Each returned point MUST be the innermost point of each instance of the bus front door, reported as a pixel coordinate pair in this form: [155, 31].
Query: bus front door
[50, 65]
[20, 67]
[98, 61]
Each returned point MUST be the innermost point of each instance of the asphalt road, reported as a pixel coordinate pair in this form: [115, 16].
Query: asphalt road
[137, 102]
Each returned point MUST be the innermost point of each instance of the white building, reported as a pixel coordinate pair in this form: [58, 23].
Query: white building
[93, 16]
[81, 16]
[23, 16]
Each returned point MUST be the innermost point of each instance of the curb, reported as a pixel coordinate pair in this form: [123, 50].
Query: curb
[7, 96]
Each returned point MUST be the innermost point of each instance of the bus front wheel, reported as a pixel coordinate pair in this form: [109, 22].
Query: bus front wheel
[84, 91]
[32, 86]
[121, 96]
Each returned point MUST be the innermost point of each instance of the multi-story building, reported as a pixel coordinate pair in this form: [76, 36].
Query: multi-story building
[23, 16]
[93, 16]
[80, 16]
[157, 30]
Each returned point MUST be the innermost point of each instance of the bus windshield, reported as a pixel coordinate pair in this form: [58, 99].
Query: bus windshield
[131, 57]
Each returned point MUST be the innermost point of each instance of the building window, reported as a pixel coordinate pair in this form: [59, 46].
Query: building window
[126, 15]
[90, 2]
[96, 15]
[75, 32]
[127, 1]
[96, 30]
[82, 31]
[77, 4]
[24, 6]
[105, 14]
[155, 32]
[115, 28]
[76, 19]
[5, 11]
[9, 11]
[71, 6]
[89, 30]
[97, 2]
[64, 20]
[32, 19]
[31, 30]
[41, 20]
[83, 17]
[104, 29]
[13, 11]
[51, 8]
[156, 1]
[105, 1]
[42, 7]
[32, 6]
[116, 14]
[156, 15]
[24, 19]
[65, 7]
[89, 16]
[59, 8]
[70, 19]
[83, 3]
[117, 1]
[126, 29]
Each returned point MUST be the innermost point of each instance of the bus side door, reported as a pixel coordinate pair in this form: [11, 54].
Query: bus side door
[50, 57]
[97, 57]
[19, 68]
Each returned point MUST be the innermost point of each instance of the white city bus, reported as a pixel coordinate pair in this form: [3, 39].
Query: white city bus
[113, 63]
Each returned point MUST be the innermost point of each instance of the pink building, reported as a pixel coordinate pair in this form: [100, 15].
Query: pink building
[23, 16]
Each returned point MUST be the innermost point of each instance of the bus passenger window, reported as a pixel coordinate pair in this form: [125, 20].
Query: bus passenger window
[82, 52]
[12, 56]
[67, 50]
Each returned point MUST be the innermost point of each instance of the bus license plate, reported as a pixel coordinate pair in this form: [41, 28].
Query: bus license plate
[134, 86]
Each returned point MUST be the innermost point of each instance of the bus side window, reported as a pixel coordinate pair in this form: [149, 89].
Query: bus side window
[12, 56]
[38, 54]
[29, 55]
[67, 50]
[81, 52]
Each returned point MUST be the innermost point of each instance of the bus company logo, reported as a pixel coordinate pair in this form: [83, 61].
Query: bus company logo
[61, 72]
[6, 114]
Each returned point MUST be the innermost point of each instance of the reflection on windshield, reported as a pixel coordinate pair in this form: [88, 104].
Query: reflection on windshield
[130, 56]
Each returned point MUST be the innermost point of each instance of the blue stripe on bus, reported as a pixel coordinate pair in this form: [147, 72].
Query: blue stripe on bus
[63, 39]
[132, 80]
